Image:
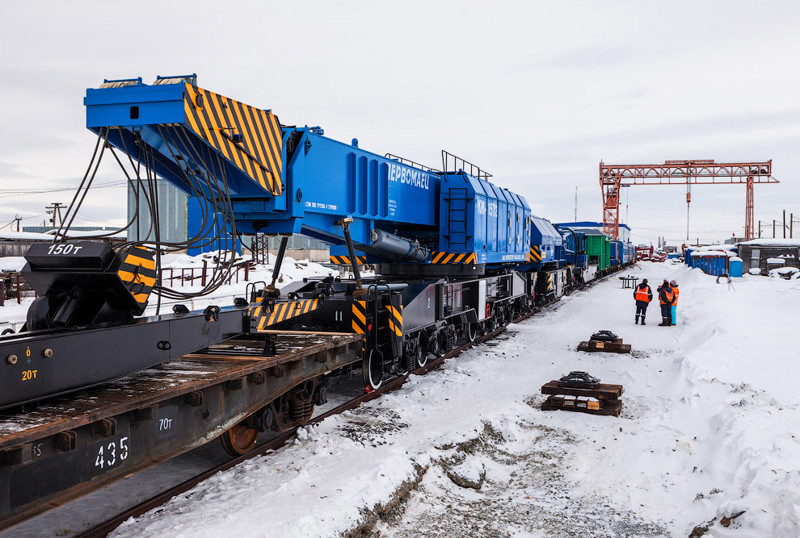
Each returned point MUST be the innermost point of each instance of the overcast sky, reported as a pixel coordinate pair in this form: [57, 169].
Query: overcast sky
[537, 93]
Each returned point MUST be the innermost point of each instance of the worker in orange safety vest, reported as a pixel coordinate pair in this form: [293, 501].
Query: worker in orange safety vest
[673, 310]
[666, 297]
[643, 295]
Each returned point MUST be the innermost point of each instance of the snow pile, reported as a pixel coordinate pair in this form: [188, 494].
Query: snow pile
[706, 436]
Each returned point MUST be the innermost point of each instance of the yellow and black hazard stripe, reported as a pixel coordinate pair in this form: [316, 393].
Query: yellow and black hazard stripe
[395, 319]
[549, 282]
[452, 257]
[345, 260]
[255, 311]
[138, 273]
[359, 321]
[248, 137]
[283, 311]
[534, 255]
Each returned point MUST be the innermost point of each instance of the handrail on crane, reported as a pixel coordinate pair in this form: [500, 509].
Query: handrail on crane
[462, 165]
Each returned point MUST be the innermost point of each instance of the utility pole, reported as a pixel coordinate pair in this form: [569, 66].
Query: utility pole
[18, 219]
[55, 210]
[759, 229]
[773, 228]
[576, 203]
[784, 224]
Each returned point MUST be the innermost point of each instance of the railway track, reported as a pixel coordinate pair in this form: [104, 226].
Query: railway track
[107, 526]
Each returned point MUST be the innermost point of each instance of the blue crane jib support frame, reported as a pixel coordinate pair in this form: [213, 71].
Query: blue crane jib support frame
[547, 245]
[283, 180]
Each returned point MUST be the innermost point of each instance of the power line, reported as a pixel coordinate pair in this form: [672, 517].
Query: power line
[23, 192]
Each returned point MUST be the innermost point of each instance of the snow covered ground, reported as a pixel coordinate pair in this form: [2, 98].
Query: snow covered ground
[707, 432]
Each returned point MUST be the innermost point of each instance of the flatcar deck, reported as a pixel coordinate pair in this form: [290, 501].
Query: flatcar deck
[68, 446]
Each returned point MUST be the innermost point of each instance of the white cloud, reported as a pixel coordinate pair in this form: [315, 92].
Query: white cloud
[535, 92]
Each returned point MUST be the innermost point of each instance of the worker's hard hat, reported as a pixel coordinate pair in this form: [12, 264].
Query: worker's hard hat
[673, 283]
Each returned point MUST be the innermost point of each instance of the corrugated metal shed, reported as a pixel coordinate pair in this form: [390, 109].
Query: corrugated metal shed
[171, 213]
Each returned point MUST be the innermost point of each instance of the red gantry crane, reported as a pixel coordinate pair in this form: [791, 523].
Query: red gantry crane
[692, 172]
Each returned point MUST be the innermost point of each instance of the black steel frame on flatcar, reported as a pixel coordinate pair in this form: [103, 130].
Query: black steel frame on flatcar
[141, 420]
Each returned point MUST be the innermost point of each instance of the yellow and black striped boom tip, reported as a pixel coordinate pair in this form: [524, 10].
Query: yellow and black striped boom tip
[452, 257]
[248, 137]
[138, 273]
[345, 260]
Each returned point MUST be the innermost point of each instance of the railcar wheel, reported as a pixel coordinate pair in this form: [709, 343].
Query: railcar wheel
[420, 358]
[373, 370]
[239, 440]
[434, 346]
[470, 332]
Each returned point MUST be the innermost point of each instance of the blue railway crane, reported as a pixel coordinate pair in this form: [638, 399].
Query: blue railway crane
[456, 254]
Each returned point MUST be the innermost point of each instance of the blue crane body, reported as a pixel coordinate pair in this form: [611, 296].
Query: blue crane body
[284, 180]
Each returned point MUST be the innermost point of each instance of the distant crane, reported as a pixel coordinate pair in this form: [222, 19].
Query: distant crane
[690, 172]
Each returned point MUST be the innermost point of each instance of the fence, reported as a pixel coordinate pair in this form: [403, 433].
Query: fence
[13, 286]
[193, 276]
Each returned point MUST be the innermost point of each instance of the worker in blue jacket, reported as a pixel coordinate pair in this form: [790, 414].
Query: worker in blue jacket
[674, 308]
[666, 297]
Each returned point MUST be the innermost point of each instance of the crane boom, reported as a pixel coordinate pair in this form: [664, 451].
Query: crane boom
[277, 179]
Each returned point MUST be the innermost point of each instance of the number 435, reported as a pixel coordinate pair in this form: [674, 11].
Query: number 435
[107, 455]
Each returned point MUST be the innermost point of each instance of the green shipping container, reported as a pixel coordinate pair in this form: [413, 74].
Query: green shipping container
[598, 250]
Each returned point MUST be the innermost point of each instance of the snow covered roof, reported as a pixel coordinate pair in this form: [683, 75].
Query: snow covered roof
[9, 235]
[773, 242]
[714, 250]
[711, 253]
[106, 234]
